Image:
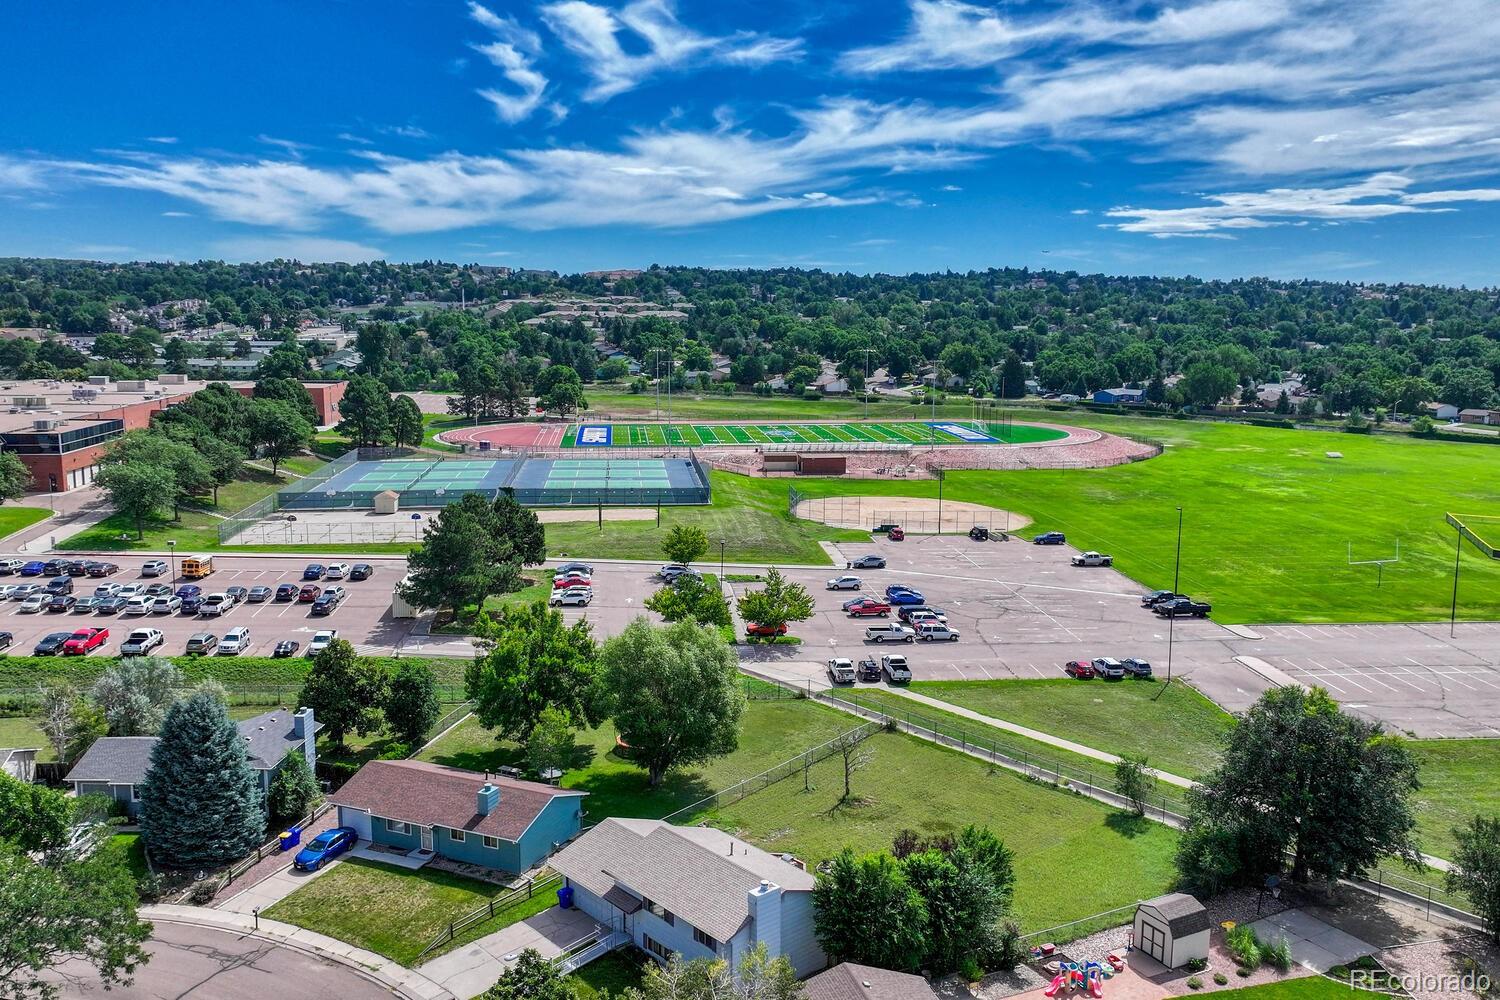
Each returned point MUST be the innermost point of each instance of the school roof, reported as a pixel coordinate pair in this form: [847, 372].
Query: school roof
[411, 791]
[117, 760]
[704, 875]
[847, 981]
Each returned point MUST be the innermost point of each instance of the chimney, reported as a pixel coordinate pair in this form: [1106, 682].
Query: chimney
[489, 798]
[304, 730]
[765, 912]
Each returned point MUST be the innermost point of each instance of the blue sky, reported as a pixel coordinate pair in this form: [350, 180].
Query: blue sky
[1221, 138]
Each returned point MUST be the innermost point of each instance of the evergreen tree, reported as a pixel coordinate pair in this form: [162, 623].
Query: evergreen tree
[201, 804]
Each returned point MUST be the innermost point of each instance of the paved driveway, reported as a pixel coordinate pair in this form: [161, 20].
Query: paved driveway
[272, 889]
[1316, 945]
[470, 970]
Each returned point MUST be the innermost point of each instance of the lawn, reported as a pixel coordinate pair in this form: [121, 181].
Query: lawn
[771, 732]
[1178, 729]
[609, 975]
[13, 518]
[22, 731]
[1074, 857]
[1459, 779]
[134, 849]
[748, 514]
[195, 530]
[24, 673]
[1300, 988]
[390, 911]
[606, 406]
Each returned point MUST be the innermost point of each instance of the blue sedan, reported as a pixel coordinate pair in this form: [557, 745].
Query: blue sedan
[904, 595]
[33, 569]
[325, 847]
[314, 571]
[1050, 538]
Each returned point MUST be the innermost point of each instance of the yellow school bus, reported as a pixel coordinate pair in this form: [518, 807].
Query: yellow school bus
[197, 567]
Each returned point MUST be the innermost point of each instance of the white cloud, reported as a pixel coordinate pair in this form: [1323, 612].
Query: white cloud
[291, 147]
[513, 52]
[165, 140]
[1375, 197]
[1079, 211]
[950, 187]
[592, 33]
[310, 249]
[176, 215]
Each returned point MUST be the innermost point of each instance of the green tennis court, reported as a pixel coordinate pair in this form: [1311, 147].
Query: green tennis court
[899, 432]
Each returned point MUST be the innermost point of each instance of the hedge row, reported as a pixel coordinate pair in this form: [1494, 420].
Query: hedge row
[26, 672]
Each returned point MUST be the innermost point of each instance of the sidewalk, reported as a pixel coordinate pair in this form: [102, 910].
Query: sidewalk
[73, 512]
[400, 980]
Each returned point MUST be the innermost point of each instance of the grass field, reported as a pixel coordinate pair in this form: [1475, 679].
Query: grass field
[1459, 779]
[13, 518]
[623, 405]
[1299, 988]
[772, 732]
[1180, 731]
[1074, 857]
[695, 435]
[390, 911]
[608, 975]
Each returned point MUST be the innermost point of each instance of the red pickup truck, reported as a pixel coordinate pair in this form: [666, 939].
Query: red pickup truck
[869, 607]
[85, 640]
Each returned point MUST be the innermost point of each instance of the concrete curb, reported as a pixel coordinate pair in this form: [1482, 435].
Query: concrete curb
[400, 980]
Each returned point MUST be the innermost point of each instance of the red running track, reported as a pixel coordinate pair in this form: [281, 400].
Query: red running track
[508, 435]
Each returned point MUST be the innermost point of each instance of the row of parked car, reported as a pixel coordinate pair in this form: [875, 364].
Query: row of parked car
[57, 567]
[891, 667]
[159, 598]
[572, 585]
[1107, 668]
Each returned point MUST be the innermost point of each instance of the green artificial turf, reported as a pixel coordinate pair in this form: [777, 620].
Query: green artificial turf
[770, 733]
[1073, 856]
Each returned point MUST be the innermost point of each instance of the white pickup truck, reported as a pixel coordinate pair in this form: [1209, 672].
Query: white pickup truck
[890, 633]
[840, 671]
[895, 669]
[1093, 559]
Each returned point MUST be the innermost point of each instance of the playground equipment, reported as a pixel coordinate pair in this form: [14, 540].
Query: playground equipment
[1089, 976]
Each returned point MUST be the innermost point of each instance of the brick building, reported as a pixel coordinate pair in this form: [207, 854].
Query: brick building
[60, 430]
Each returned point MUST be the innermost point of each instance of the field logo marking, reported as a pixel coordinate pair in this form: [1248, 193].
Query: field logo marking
[963, 433]
[594, 436]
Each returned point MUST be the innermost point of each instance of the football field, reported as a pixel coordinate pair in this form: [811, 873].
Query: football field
[900, 432]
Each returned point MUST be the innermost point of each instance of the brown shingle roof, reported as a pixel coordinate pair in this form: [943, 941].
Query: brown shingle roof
[848, 981]
[412, 791]
[1183, 913]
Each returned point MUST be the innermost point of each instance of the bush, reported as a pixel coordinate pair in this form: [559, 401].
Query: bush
[1010, 950]
[970, 970]
[396, 751]
[149, 887]
[1278, 954]
[203, 892]
[1242, 972]
[1194, 983]
[1423, 427]
[1243, 945]
[1196, 964]
[1220, 979]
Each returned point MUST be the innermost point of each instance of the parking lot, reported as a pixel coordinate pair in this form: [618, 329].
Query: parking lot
[1023, 611]
[364, 617]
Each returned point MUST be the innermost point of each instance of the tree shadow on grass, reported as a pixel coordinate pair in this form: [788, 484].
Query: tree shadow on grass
[629, 793]
[1128, 824]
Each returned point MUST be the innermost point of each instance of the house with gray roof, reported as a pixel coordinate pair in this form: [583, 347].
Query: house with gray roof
[848, 981]
[115, 766]
[693, 891]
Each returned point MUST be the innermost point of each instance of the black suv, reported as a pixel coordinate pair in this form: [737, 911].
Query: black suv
[979, 533]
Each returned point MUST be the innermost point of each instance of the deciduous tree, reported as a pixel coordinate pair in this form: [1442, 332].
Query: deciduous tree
[138, 491]
[685, 543]
[865, 910]
[1476, 868]
[343, 691]
[674, 694]
[294, 790]
[777, 603]
[530, 977]
[550, 744]
[366, 412]
[758, 977]
[691, 598]
[15, 478]
[134, 694]
[529, 660]
[278, 431]
[411, 703]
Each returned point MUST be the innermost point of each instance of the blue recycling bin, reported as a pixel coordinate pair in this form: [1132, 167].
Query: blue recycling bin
[565, 897]
[291, 838]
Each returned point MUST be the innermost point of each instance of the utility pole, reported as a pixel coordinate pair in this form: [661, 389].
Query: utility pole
[866, 351]
[1172, 619]
[1458, 552]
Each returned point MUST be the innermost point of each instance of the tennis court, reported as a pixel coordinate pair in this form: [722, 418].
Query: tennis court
[354, 484]
[907, 432]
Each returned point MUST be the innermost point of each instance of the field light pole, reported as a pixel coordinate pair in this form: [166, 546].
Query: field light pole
[172, 555]
[866, 351]
[1458, 552]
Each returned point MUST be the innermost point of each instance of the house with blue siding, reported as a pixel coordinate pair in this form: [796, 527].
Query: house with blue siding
[429, 809]
[1120, 395]
[692, 891]
[115, 766]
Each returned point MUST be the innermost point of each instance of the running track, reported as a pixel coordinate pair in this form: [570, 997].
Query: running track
[550, 436]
